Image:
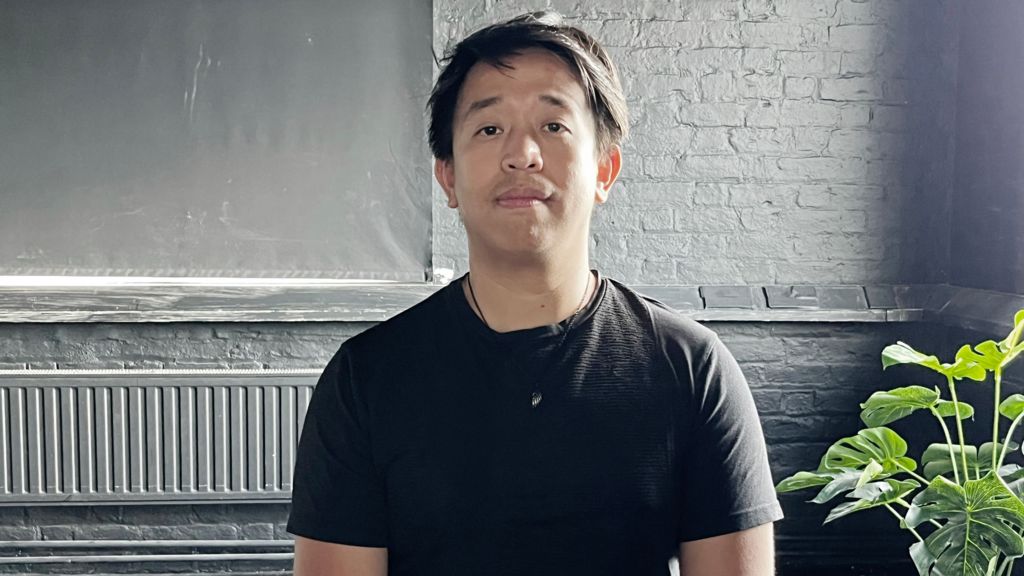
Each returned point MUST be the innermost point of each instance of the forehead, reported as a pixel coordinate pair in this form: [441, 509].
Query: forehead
[532, 73]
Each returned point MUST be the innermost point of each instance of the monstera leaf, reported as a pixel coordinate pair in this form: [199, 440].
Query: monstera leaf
[835, 483]
[852, 463]
[842, 482]
[987, 354]
[1012, 345]
[1012, 407]
[803, 480]
[902, 353]
[873, 495]
[992, 355]
[947, 408]
[935, 460]
[880, 444]
[980, 520]
[888, 406]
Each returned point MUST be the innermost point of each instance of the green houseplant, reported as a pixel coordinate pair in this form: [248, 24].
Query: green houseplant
[963, 503]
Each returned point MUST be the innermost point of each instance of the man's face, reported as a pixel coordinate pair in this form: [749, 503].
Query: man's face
[525, 172]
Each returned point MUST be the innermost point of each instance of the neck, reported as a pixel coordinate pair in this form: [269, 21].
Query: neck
[520, 297]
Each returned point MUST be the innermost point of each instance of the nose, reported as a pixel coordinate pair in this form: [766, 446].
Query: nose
[522, 152]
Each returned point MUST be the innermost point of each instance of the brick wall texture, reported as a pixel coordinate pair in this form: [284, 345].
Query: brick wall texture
[773, 141]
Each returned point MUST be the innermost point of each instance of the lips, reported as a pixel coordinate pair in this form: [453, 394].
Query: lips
[522, 197]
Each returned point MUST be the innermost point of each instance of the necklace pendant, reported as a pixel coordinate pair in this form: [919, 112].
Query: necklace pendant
[535, 399]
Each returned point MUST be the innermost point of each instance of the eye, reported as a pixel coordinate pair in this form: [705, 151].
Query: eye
[554, 127]
[488, 131]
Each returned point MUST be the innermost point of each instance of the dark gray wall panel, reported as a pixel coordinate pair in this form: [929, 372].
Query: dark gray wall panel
[987, 227]
[227, 138]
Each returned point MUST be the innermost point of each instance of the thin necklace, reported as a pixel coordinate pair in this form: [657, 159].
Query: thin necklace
[536, 396]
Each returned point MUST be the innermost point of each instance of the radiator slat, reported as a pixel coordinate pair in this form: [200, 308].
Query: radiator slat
[222, 424]
[84, 413]
[19, 447]
[154, 445]
[254, 438]
[237, 439]
[188, 439]
[137, 438]
[288, 439]
[104, 445]
[110, 439]
[69, 440]
[204, 439]
[5, 440]
[51, 441]
[271, 438]
[35, 438]
[304, 395]
[119, 439]
[169, 438]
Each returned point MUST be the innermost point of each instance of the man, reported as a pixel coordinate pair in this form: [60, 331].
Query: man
[532, 417]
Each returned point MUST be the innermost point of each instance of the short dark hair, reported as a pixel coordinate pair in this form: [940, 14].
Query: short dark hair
[493, 44]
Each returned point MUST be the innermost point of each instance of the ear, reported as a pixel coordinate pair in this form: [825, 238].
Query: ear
[608, 166]
[444, 172]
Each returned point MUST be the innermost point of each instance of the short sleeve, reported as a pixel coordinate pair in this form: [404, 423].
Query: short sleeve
[337, 494]
[727, 482]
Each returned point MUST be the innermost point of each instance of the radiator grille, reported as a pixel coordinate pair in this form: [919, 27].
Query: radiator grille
[145, 437]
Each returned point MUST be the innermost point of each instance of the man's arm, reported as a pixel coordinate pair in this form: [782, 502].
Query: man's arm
[316, 558]
[745, 553]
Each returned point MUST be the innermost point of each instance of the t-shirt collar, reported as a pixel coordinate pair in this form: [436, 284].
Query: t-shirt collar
[464, 314]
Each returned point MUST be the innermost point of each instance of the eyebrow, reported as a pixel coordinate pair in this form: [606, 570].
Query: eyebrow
[487, 102]
[554, 101]
[481, 104]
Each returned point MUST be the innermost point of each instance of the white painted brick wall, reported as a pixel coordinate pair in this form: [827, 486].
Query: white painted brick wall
[769, 137]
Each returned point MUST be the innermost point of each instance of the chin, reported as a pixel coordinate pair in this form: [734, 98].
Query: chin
[518, 247]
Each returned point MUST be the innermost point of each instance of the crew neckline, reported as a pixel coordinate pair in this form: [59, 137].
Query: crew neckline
[467, 317]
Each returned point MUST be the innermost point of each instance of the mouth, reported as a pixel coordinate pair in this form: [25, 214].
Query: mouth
[522, 198]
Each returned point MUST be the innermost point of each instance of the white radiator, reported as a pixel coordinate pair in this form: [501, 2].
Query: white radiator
[109, 436]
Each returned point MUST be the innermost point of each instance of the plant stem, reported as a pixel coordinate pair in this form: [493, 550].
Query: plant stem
[1006, 444]
[903, 503]
[959, 424]
[902, 521]
[912, 473]
[1002, 567]
[995, 419]
[1005, 568]
[949, 443]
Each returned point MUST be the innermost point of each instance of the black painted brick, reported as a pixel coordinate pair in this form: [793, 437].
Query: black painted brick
[798, 403]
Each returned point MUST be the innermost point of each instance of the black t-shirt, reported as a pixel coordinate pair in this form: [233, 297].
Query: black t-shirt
[422, 437]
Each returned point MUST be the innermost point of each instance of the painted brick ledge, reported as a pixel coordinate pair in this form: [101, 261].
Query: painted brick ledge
[970, 308]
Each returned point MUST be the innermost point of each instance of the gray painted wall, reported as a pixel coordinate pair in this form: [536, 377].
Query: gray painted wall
[198, 138]
[987, 229]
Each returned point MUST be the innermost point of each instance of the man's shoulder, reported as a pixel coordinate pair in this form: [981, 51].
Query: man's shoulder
[668, 326]
[411, 327]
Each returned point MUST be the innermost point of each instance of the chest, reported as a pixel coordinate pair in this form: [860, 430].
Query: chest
[468, 456]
